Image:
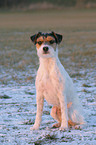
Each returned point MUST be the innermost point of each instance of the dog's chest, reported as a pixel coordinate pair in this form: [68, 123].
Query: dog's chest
[49, 81]
[50, 89]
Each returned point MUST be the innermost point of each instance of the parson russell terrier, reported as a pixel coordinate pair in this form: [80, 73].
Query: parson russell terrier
[55, 85]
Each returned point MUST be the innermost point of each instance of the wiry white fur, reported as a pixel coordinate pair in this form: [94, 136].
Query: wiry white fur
[55, 85]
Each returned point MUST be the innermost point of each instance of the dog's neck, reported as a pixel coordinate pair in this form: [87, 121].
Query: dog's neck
[48, 64]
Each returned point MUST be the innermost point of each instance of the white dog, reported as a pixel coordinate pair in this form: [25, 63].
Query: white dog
[54, 84]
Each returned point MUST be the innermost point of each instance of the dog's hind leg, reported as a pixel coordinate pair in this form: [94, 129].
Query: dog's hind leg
[56, 114]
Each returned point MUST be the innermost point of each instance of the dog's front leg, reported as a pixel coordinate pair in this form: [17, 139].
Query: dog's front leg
[40, 102]
[64, 114]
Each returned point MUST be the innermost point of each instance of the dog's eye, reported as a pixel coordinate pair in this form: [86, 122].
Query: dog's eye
[51, 41]
[40, 42]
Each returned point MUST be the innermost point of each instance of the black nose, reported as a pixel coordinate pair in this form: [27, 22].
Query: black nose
[45, 49]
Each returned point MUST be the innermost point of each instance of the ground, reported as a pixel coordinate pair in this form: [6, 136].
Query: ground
[18, 66]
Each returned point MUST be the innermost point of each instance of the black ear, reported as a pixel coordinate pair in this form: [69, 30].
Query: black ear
[34, 37]
[58, 37]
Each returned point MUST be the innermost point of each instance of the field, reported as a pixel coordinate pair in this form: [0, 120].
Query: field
[18, 66]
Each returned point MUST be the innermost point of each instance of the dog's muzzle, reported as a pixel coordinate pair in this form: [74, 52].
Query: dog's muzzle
[45, 49]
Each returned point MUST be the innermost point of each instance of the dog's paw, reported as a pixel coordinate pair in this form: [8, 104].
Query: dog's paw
[63, 128]
[78, 127]
[34, 127]
[57, 125]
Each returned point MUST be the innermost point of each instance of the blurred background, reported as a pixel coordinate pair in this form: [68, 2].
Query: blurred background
[19, 19]
[33, 4]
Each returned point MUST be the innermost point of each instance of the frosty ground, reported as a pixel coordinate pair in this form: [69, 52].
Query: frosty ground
[18, 66]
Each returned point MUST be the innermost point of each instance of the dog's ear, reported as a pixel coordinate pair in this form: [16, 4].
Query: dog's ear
[58, 37]
[34, 37]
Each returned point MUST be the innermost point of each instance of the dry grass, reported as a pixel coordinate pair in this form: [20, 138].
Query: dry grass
[46, 20]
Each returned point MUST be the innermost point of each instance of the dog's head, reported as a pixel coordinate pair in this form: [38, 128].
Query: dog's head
[46, 43]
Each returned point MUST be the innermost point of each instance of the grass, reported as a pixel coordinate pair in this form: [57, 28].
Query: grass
[46, 138]
[47, 20]
[4, 97]
[18, 58]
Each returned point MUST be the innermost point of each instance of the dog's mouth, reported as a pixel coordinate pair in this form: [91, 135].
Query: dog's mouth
[45, 53]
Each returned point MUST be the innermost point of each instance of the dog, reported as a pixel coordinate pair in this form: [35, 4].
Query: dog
[54, 84]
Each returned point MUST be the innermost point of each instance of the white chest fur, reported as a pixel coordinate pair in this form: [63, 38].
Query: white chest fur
[50, 79]
[51, 86]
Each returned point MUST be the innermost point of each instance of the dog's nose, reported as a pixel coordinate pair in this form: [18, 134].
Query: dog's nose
[45, 49]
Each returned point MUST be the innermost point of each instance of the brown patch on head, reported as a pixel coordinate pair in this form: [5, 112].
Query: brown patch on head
[42, 39]
[38, 46]
[49, 38]
[39, 42]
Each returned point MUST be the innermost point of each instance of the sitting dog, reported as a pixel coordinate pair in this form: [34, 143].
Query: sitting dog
[54, 84]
